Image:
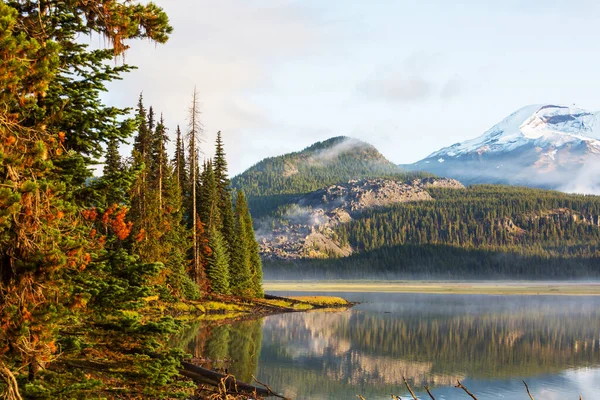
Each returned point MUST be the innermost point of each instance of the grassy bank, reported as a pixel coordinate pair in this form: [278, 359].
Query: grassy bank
[130, 356]
[439, 287]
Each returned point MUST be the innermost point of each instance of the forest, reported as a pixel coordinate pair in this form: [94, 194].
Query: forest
[276, 181]
[481, 231]
[91, 267]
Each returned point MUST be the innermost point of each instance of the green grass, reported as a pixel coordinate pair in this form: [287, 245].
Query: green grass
[322, 301]
[480, 287]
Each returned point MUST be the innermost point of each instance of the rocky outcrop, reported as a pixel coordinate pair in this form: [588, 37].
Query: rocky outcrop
[304, 229]
[565, 214]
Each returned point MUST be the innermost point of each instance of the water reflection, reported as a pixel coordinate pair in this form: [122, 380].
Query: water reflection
[491, 342]
[235, 348]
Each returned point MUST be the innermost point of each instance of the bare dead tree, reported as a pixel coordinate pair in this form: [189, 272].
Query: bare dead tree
[194, 137]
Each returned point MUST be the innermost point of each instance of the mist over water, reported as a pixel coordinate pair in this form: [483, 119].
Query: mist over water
[490, 343]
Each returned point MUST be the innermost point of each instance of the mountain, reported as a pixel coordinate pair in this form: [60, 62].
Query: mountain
[340, 209]
[547, 146]
[276, 180]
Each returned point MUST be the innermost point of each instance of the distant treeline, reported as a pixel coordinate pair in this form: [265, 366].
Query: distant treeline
[486, 230]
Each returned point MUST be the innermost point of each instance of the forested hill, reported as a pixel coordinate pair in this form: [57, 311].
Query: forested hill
[276, 180]
[481, 231]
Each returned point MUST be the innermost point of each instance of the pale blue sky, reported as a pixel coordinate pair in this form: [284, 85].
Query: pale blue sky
[408, 77]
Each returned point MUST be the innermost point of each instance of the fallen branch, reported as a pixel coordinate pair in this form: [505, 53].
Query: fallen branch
[271, 392]
[460, 386]
[527, 387]
[409, 389]
[203, 375]
[429, 393]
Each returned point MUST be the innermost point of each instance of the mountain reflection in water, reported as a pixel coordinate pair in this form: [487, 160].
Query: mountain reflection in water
[489, 342]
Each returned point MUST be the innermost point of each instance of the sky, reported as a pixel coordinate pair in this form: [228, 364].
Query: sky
[408, 77]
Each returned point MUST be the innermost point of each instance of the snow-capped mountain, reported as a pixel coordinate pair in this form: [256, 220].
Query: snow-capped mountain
[546, 146]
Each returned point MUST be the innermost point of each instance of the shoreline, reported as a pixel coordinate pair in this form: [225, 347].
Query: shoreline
[504, 288]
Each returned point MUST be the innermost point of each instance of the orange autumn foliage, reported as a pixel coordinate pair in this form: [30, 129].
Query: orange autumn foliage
[141, 235]
[114, 218]
[90, 214]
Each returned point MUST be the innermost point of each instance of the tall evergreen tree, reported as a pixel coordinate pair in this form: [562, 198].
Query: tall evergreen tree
[208, 198]
[159, 166]
[179, 161]
[117, 179]
[222, 183]
[220, 166]
[240, 263]
[141, 160]
[251, 250]
[143, 140]
[217, 268]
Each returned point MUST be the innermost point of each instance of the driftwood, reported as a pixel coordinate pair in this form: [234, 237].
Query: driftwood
[409, 389]
[527, 387]
[203, 375]
[271, 392]
[429, 392]
[460, 386]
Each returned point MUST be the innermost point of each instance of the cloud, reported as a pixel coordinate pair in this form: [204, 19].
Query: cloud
[398, 88]
[415, 79]
[333, 152]
[585, 180]
[452, 88]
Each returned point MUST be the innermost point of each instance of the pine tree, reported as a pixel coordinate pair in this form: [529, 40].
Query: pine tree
[117, 179]
[143, 140]
[208, 198]
[159, 159]
[222, 184]
[179, 161]
[220, 167]
[52, 124]
[251, 251]
[217, 268]
[240, 263]
[112, 163]
[141, 160]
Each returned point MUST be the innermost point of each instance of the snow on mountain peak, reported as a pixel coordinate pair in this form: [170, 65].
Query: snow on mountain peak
[561, 120]
[544, 125]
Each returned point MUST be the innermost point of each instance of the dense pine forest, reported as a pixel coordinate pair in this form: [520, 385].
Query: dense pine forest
[481, 231]
[88, 265]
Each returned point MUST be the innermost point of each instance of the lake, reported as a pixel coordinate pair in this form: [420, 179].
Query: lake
[491, 343]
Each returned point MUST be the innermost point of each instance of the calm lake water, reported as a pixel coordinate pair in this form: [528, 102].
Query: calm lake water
[490, 343]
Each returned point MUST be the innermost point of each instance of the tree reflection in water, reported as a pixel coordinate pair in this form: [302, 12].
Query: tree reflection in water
[432, 340]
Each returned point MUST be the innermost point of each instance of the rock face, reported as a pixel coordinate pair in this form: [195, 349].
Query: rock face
[304, 229]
